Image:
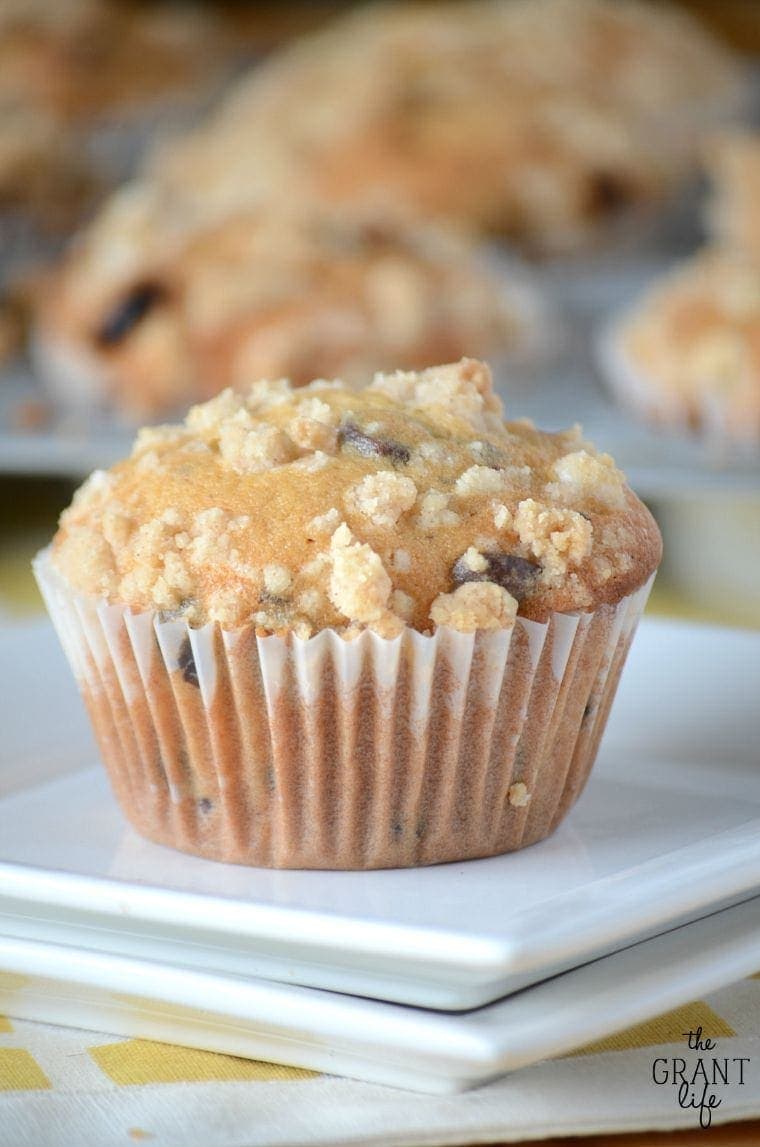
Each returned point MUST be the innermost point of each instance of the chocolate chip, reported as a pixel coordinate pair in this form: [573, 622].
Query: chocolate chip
[587, 711]
[370, 447]
[274, 599]
[187, 664]
[177, 612]
[514, 574]
[489, 455]
[379, 235]
[128, 312]
[368, 234]
[205, 805]
[607, 192]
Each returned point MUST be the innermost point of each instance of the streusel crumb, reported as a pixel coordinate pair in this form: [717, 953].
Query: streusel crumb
[409, 503]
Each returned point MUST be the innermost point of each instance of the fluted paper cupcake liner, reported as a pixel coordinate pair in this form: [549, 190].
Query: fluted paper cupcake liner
[328, 753]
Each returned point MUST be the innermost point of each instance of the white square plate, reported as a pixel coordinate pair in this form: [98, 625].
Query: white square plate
[667, 831]
[382, 1043]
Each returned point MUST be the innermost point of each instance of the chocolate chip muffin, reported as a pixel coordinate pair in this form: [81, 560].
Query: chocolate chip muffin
[538, 120]
[687, 357]
[70, 69]
[350, 629]
[262, 294]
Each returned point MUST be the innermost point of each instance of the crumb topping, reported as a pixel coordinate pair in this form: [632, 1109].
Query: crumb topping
[382, 498]
[300, 509]
[518, 795]
[475, 605]
[561, 539]
[359, 586]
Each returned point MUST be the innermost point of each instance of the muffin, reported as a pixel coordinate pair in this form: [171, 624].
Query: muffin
[537, 120]
[329, 628]
[83, 59]
[540, 121]
[69, 67]
[687, 357]
[265, 294]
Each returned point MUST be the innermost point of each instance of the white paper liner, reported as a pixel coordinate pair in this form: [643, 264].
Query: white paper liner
[720, 425]
[327, 753]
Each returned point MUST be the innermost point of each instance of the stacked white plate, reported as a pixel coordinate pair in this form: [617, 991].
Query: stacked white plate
[436, 978]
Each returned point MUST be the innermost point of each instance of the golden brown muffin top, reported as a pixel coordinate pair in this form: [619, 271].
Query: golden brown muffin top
[410, 502]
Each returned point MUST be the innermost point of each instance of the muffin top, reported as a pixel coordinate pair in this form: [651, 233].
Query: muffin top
[533, 119]
[408, 503]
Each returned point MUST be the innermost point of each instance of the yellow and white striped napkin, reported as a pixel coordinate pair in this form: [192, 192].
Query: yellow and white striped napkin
[62, 1087]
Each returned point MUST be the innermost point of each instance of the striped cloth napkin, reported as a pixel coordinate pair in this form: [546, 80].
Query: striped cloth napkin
[62, 1087]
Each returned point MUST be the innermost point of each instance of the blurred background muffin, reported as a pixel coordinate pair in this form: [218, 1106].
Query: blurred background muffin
[688, 358]
[269, 293]
[688, 355]
[69, 66]
[87, 85]
[537, 120]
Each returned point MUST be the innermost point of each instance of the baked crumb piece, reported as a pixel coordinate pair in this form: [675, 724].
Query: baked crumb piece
[583, 476]
[151, 439]
[474, 561]
[314, 427]
[324, 523]
[559, 538]
[435, 512]
[93, 491]
[382, 498]
[479, 480]
[402, 605]
[118, 526]
[206, 417]
[518, 795]
[310, 603]
[249, 447]
[277, 579]
[502, 516]
[359, 586]
[475, 605]
[226, 606]
[464, 389]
